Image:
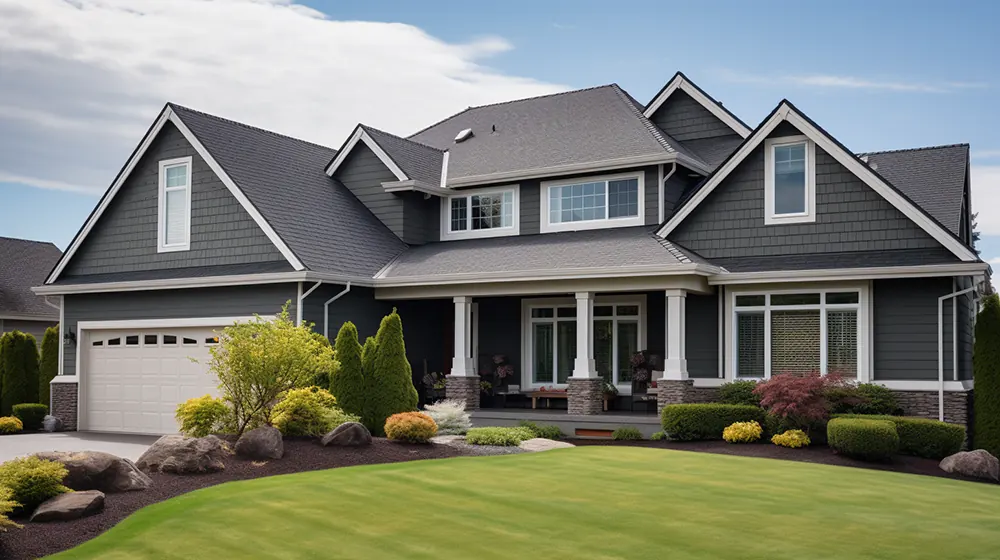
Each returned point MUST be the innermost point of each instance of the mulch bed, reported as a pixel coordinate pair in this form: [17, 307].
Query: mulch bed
[41, 539]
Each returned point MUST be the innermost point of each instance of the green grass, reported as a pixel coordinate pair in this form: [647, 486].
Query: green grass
[589, 502]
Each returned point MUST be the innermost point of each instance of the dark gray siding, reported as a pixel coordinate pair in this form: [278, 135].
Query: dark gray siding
[421, 218]
[683, 118]
[905, 329]
[363, 174]
[124, 238]
[236, 301]
[34, 328]
[702, 335]
[652, 195]
[531, 209]
[673, 189]
[850, 217]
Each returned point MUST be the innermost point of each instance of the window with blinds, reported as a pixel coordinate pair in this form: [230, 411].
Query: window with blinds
[175, 205]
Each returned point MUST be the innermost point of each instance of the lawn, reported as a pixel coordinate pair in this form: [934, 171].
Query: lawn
[589, 502]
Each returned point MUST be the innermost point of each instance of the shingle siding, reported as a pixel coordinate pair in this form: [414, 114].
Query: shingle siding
[363, 173]
[531, 207]
[685, 119]
[905, 329]
[652, 195]
[125, 237]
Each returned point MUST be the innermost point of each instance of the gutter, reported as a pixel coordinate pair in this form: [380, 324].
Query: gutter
[302, 298]
[198, 282]
[931, 270]
[326, 309]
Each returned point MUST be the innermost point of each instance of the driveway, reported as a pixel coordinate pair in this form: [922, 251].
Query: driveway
[122, 445]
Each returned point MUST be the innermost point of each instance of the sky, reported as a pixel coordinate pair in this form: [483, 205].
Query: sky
[81, 80]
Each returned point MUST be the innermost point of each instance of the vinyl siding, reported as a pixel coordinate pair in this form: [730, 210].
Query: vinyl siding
[684, 119]
[421, 218]
[905, 329]
[531, 207]
[363, 174]
[124, 239]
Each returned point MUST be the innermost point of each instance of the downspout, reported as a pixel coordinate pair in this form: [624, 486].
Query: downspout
[663, 189]
[302, 299]
[941, 346]
[326, 309]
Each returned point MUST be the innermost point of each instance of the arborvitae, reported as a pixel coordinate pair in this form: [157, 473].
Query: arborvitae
[391, 384]
[20, 371]
[348, 384]
[48, 366]
[986, 368]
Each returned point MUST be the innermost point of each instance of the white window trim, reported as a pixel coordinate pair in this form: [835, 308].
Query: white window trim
[809, 216]
[863, 308]
[161, 230]
[603, 223]
[447, 233]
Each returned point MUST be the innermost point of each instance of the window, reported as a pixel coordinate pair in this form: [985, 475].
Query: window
[149, 339]
[789, 180]
[553, 344]
[616, 339]
[481, 214]
[132, 340]
[169, 340]
[174, 232]
[598, 202]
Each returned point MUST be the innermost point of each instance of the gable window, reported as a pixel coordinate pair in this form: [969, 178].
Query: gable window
[481, 213]
[789, 180]
[592, 203]
[174, 227]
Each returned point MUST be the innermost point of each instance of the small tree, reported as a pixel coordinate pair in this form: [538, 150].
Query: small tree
[799, 400]
[48, 366]
[986, 369]
[20, 370]
[348, 384]
[257, 361]
[391, 383]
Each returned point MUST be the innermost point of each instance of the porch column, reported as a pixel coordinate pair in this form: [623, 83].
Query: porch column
[463, 383]
[673, 387]
[585, 395]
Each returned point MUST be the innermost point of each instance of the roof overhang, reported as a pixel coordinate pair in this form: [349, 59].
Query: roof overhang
[202, 282]
[359, 135]
[27, 317]
[844, 274]
[680, 82]
[418, 186]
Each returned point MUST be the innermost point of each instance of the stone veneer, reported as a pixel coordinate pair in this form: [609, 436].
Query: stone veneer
[925, 405]
[64, 403]
[463, 389]
[585, 395]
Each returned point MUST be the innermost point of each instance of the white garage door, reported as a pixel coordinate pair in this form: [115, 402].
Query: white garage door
[134, 379]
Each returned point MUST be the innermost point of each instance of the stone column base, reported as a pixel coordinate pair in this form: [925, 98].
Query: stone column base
[924, 404]
[673, 391]
[463, 388]
[585, 395]
[64, 403]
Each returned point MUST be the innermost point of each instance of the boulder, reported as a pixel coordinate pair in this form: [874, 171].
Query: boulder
[542, 444]
[96, 470]
[450, 440]
[977, 464]
[348, 434]
[52, 423]
[261, 443]
[184, 455]
[72, 505]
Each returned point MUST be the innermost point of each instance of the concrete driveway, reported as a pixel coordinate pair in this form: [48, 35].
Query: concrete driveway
[122, 445]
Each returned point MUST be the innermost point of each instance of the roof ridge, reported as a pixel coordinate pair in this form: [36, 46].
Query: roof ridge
[4, 237]
[654, 130]
[251, 127]
[397, 137]
[921, 148]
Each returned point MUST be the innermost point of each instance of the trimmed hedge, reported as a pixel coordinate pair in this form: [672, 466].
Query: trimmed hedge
[739, 392]
[690, 422]
[986, 371]
[922, 437]
[31, 415]
[863, 438]
[508, 437]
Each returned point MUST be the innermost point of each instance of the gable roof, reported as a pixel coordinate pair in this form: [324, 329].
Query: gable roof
[681, 82]
[785, 111]
[415, 165]
[24, 264]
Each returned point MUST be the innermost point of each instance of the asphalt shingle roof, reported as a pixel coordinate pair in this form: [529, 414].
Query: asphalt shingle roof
[418, 161]
[24, 264]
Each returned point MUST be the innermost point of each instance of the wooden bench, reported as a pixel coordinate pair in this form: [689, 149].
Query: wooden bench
[535, 395]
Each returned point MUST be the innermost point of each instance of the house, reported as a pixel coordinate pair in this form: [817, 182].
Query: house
[564, 232]
[24, 264]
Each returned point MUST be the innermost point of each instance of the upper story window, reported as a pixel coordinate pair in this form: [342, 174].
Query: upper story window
[789, 180]
[174, 222]
[480, 213]
[592, 203]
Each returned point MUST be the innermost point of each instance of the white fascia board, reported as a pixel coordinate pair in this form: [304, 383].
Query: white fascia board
[682, 84]
[361, 136]
[202, 282]
[538, 172]
[553, 274]
[418, 186]
[162, 323]
[838, 274]
[855, 166]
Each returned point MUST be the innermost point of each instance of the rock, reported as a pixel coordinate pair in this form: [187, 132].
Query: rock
[96, 470]
[72, 505]
[349, 434]
[52, 423]
[542, 444]
[261, 443]
[977, 464]
[448, 440]
[184, 455]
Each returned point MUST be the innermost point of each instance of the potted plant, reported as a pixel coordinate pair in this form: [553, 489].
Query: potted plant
[642, 370]
[434, 386]
[503, 371]
[485, 394]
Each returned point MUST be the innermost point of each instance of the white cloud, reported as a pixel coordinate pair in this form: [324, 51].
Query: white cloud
[986, 197]
[830, 81]
[985, 154]
[995, 260]
[83, 79]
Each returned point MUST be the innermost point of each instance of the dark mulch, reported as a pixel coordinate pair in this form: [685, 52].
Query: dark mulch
[41, 539]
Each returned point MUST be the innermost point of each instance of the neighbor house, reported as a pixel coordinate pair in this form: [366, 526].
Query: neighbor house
[24, 264]
[564, 232]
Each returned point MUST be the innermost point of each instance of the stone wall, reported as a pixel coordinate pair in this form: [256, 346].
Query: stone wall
[585, 395]
[677, 392]
[925, 405]
[64, 403]
[463, 389]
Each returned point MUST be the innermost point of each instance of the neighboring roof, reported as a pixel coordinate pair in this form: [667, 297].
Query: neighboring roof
[24, 264]
[416, 160]
[681, 82]
[933, 177]
[814, 261]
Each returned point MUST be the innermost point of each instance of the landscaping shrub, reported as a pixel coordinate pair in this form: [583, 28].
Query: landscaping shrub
[32, 480]
[450, 417]
[19, 370]
[742, 432]
[626, 433]
[799, 400]
[322, 377]
[412, 427]
[390, 384]
[689, 422]
[312, 411]
[7, 505]
[48, 365]
[864, 398]
[791, 438]
[863, 438]
[498, 436]
[31, 415]
[348, 383]
[202, 416]
[658, 436]
[10, 425]
[922, 437]
[547, 432]
[986, 370]
[739, 392]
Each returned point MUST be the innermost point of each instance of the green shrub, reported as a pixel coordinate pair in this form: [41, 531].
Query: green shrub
[863, 438]
[922, 437]
[32, 480]
[411, 427]
[739, 392]
[348, 383]
[7, 505]
[19, 370]
[689, 422]
[626, 433]
[986, 368]
[202, 416]
[31, 415]
[865, 398]
[390, 387]
[311, 411]
[547, 432]
[658, 436]
[10, 425]
[498, 436]
[48, 365]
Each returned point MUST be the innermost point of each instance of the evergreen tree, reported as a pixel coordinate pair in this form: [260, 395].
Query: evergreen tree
[48, 367]
[348, 384]
[20, 371]
[986, 368]
[391, 384]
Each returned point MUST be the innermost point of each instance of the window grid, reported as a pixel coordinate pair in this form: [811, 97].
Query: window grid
[479, 212]
[594, 201]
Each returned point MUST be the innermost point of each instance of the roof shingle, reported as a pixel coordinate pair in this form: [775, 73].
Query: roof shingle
[24, 264]
[420, 162]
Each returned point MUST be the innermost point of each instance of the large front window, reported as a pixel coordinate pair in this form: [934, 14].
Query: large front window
[592, 203]
[481, 214]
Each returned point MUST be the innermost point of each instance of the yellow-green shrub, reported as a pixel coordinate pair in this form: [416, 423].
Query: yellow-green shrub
[32, 480]
[201, 416]
[413, 427]
[498, 436]
[791, 438]
[10, 425]
[7, 505]
[742, 432]
[311, 411]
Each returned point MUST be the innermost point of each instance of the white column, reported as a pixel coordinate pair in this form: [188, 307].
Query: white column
[462, 364]
[584, 367]
[675, 364]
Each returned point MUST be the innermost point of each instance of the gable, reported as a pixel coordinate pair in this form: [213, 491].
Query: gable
[363, 172]
[684, 118]
[124, 237]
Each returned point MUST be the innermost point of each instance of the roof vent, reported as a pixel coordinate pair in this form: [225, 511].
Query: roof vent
[864, 159]
[464, 135]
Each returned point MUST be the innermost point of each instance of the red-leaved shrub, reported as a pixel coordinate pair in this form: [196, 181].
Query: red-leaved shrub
[799, 400]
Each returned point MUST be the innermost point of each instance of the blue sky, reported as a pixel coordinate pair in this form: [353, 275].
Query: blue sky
[877, 75]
